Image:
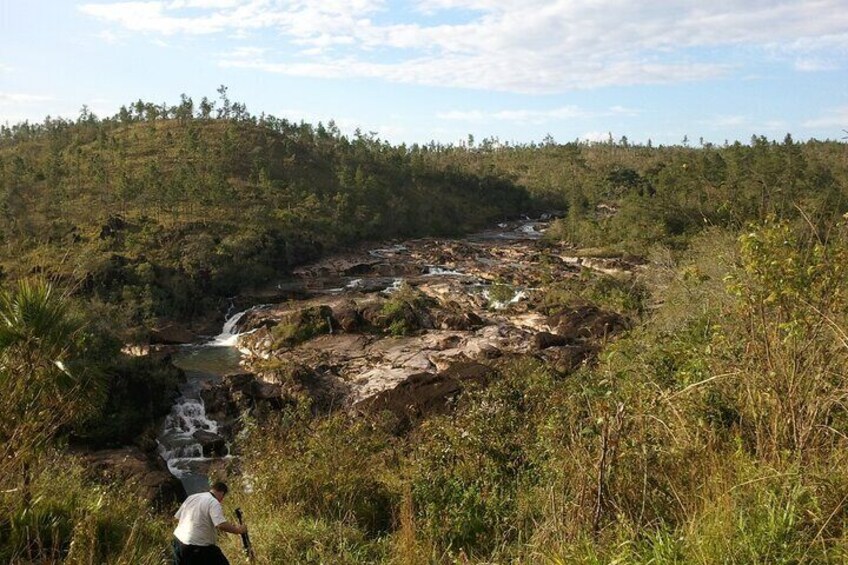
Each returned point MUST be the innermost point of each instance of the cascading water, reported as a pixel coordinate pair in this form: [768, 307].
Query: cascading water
[188, 428]
[178, 445]
[228, 336]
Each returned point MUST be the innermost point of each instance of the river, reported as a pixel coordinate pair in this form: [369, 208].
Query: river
[187, 428]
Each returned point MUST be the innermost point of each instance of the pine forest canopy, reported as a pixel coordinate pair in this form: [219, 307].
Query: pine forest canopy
[162, 209]
[709, 426]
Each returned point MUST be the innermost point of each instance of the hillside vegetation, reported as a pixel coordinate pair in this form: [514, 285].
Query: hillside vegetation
[714, 430]
[160, 214]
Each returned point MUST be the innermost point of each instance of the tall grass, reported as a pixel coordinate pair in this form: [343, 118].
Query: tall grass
[71, 519]
[713, 432]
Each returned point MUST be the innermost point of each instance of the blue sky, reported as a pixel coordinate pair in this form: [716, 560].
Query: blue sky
[515, 70]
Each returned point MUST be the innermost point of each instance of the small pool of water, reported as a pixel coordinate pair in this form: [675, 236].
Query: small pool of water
[208, 359]
[203, 365]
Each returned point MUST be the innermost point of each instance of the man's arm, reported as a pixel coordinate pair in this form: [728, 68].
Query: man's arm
[232, 528]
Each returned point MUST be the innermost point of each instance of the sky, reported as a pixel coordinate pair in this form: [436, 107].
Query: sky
[410, 72]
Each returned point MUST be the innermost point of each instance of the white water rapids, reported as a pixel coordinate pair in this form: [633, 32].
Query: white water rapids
[179, 445]
[188, 426]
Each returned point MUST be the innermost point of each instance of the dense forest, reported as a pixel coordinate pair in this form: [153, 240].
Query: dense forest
[160, 212]
[713, 430]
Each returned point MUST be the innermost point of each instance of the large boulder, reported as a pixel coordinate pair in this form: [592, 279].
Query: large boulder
[545, 340]
[585, 323]
[423, 394]
[145, 474]
[213, 445]
[347, 317]
[567, 358]
[463, 321]
[172, 334]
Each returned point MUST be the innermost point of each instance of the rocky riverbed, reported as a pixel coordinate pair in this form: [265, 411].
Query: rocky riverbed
[404, 325]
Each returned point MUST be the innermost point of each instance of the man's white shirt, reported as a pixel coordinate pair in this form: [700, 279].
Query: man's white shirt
[199, 515]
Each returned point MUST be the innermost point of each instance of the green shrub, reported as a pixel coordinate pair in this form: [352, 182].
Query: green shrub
[302, 325]
[405, 310]
[331, 469]
[73, 520]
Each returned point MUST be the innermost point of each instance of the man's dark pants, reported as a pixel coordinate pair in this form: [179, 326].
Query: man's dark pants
[198, 554]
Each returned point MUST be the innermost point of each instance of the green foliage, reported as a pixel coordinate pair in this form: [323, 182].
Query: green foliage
[329, 469]
[625, 295]
[403, 313]
[713, 432]
[793, 301]
[501, 292]
[167, 212]
[138, 392]
[302, 325]
[46, 381]
[468, 471]
[73, 520]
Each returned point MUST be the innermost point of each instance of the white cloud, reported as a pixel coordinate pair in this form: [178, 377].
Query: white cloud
[815, 65]
[109, 36]
[21, 98]
[596, 136]
[836, 118]
[525, 116]
[511, 45]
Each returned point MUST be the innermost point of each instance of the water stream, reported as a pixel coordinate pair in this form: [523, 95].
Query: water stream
[205, 363]
[179, 444]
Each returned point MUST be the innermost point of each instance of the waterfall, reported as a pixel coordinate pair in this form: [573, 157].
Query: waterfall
[228, 336]
[177, 444]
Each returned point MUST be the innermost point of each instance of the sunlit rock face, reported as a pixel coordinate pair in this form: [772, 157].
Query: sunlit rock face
[422, 306]
[402, 328]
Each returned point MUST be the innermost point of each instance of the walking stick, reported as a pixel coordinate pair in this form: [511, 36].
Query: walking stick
[245, 538]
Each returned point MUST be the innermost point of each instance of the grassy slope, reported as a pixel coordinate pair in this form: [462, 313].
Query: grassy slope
[713, 432]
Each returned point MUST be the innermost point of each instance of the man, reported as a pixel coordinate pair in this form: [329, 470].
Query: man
[200, 516]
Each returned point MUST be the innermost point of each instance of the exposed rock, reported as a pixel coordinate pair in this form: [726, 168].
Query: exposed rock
[262, 391]
[446, 319]
[423, 394]
[136, 349]
[146, 474]
[463, 321]
[347, 317]
[585, 322]
[546, 339]
[371, 313]
[341, 264]
[359, 269]
[566, 359]
[171, 334]
[213, 445]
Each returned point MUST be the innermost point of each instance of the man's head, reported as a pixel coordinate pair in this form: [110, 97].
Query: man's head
[219, 490]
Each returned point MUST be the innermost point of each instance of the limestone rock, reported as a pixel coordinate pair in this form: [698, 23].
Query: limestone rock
[585, 322]
[172, 334]
[423, 394]
[213, 445]
[146, 474]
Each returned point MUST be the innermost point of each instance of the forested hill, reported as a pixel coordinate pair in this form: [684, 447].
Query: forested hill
[632, 196]
[671, 387]
[162, 210]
